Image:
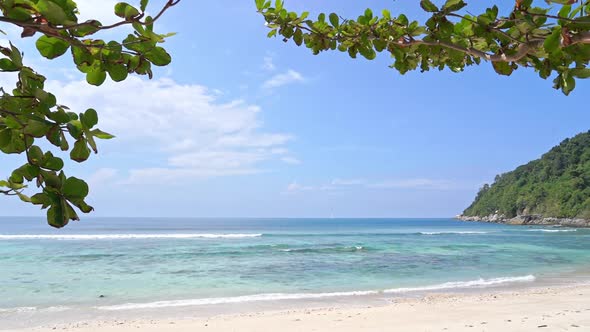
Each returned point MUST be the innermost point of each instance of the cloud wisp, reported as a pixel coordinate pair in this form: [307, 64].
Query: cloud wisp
[178, 131]
[359, 183]
[289, 77]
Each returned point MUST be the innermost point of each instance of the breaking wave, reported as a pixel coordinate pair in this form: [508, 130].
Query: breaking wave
[479, 283]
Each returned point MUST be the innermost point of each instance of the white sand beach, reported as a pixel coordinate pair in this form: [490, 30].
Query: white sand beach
[542, 309]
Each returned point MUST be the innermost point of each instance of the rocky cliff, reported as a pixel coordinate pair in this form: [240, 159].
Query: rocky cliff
[528, 220]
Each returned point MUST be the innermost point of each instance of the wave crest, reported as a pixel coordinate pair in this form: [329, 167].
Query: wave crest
[124, 236]
[325, 249]
[452, 232]
[552, 230]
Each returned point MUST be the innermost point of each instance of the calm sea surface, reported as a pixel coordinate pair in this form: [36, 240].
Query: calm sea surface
[121, 264]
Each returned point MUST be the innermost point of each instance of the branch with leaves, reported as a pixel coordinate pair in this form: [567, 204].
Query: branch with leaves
[29, 113]
[549, 40]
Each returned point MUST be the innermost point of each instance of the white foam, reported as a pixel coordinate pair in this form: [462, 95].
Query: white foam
[33, 309]
[18, 309]
[552, 230]
[235, 299]
[124, 236]
[464, 284]
[301, 296]
[458, 232]
[358, 248]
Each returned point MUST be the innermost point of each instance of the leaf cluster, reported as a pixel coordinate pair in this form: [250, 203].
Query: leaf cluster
[549, 41]
[31, 117]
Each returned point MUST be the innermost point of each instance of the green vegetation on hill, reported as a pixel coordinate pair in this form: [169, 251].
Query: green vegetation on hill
[557, 185]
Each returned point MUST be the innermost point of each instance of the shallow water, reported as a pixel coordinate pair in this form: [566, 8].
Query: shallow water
[122, 264]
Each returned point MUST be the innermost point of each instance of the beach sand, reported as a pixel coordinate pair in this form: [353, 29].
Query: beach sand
[542, 309]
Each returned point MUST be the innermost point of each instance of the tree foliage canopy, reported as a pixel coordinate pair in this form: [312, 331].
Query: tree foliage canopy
[553, 39]
[31, 117]
[557, 185]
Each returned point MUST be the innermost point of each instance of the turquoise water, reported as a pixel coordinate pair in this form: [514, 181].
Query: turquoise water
[121, 264]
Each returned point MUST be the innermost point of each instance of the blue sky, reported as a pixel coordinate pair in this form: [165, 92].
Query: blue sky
[240, 125]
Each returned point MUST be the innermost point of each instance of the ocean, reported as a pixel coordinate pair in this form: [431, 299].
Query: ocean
[101, 266]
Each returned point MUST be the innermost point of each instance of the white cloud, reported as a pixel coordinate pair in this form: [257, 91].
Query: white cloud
[278, 80]
[418, 183]
[177, 130]
[147, 175]
[348, 182]
[268, 63]
[103, 10]
[101, 177]
[410, 183]
[291, 160]
[296, 187]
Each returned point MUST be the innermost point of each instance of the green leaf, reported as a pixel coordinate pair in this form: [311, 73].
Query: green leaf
[551, 43]
[45, 97]
[51, 180]
[581, 72]
[502, 68]
[52, 163]
[74, 188]
[41, 199]
[158, 56]
[569, 84]
[82, 56]
[7, 65]
[35, 155]
[52, 11]
[75, 129]
[37, 128]
[80, 152]
[428, 6]
[16, 177]
[298, 37]
[51, 47]
[56, 217]
[80, 204]
[125, 10]
[386, 14]
[117, 72]
[143, 4]
[453, 5]
[101, 134]
[26, 171]
[24, 198]
[90, 27]
[5, 137]
[564, 11]
[96, 76]
[89, 118]
[334, 20]
[16, 56]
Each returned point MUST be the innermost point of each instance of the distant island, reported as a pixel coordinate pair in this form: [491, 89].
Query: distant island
[552, 190]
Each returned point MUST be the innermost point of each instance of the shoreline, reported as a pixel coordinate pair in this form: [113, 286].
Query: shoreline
[527, 220]
[528, 309]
